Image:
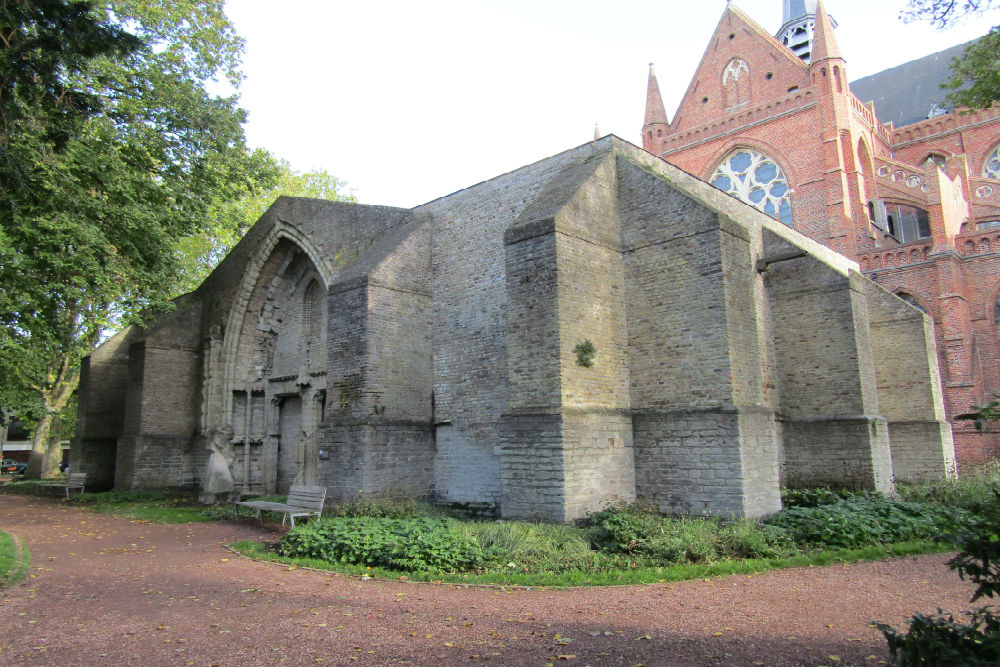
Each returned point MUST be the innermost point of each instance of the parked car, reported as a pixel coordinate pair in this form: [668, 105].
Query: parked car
[12, 467]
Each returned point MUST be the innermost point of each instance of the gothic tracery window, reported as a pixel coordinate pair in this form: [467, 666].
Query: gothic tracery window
[757, 180]
[736, 83]
[991, 166]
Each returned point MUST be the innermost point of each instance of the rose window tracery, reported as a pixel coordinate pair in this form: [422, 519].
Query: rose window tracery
[758, 180]
[991, 167]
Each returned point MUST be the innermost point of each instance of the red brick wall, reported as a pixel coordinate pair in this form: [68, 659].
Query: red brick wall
[800, 120]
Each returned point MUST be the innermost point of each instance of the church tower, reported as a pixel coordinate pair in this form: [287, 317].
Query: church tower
[798, 21]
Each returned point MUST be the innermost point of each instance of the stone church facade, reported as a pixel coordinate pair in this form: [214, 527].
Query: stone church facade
[435, 352]
[877, 170]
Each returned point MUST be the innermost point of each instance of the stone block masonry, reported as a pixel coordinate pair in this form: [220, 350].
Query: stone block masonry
[431, 353]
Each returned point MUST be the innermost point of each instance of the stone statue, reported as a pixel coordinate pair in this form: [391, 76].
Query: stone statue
[218, 479]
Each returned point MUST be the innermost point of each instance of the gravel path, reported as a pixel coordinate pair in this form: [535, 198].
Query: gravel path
[110, 591]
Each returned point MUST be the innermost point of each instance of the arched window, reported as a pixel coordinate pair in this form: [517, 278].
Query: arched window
[991, 166]
[936, 158]
[736, 83]
[996, 310]
[912, 300]
[757, 180]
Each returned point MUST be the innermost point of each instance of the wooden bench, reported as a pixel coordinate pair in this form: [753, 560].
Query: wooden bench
[75, 480]
[301, 501]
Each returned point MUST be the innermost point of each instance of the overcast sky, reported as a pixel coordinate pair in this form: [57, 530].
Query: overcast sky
[408, 101]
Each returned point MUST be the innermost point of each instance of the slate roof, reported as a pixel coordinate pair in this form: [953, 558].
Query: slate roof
[905, 94]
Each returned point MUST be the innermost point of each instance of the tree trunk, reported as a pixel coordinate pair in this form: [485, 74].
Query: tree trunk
[46, 456]
[38, 463]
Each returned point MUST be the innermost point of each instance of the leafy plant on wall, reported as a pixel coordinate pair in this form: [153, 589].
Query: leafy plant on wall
[585, 352]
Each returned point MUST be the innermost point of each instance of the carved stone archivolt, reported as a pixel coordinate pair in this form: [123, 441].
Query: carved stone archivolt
[273, 352]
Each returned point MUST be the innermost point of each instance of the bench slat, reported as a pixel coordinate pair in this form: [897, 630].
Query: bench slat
[76, 480]
[301, 501]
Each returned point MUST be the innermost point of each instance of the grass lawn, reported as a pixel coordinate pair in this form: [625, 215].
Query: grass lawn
[14, 560]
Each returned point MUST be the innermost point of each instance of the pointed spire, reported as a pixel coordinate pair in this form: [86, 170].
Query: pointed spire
[824, 42]
[597, 132]
[655, 113]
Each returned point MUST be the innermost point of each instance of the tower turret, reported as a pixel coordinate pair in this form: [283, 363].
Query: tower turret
[655, 124]
[833, 100]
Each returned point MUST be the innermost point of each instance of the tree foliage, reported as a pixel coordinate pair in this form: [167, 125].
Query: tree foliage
[975, 80]
[943, 13]
[113, 151]
[45, 42]
[197, 254]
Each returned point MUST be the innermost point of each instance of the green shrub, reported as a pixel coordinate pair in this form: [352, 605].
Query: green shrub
[404, 544]
[971, 490]
[813, 497]
[750, 538]
[979, 558]
[625, 528]
[860, 520]
[942, 640]
[641, 532]
[533, 547]
[381, 509]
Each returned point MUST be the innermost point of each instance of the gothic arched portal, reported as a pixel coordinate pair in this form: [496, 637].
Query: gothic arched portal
[277, 374]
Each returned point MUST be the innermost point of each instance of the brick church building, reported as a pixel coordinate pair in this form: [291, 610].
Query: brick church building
[877, 170]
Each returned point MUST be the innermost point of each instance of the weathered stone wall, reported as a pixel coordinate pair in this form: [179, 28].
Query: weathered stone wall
[698, 338]
[726, 345]
[101, 410]
[687, 461]
[471, 316]
[378, 432]
[343, 434]
[532, 474]
[833, 432]
[909, 388]
[678, 338]
[156, 446]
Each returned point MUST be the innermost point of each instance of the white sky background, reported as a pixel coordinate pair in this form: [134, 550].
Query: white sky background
[408, 101]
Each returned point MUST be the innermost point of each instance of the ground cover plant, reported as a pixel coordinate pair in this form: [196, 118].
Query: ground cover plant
[623, 544]
[943, 638]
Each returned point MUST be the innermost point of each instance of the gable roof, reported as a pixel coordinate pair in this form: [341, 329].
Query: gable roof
[906, 93]
[786, 65]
